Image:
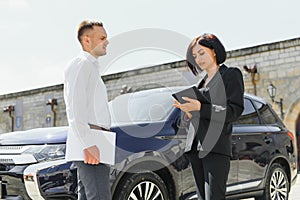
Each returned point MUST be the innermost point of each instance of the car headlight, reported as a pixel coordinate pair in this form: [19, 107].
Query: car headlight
[47, 151]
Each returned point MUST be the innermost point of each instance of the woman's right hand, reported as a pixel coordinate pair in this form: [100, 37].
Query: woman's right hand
[190, 105]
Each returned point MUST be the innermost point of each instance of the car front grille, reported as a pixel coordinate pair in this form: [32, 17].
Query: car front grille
[14, 186]
[6, 161]
[11, 149]
[5, 168]
[12, 183]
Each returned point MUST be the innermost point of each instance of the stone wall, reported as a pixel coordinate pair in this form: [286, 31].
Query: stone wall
[33, 109]
[277, 63]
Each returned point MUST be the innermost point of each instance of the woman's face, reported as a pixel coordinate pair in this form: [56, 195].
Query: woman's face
[204, 57]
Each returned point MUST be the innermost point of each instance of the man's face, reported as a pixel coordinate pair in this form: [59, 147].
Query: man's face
[97, 41]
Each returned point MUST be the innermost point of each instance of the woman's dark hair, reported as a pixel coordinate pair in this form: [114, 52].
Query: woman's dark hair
[210, 41]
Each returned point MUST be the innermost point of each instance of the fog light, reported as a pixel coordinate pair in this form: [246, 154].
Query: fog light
[29, 177]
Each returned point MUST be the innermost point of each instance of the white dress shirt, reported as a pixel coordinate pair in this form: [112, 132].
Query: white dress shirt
[86, 102]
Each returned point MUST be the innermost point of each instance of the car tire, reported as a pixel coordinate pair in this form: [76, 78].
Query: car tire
[277, 184]
[142, 185]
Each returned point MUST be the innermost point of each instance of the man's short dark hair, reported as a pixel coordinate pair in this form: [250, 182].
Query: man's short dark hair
[210, 41]
[85, 26]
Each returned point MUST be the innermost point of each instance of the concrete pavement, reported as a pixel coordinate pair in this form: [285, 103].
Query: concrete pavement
[295, 191]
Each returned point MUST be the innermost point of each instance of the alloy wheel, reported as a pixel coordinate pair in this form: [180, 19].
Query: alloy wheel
[146, 190]
[278, 186]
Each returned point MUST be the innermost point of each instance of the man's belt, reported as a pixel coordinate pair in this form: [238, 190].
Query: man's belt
[93, 126]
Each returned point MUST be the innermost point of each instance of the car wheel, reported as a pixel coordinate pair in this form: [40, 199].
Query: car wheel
[277, 184]
[139, 186]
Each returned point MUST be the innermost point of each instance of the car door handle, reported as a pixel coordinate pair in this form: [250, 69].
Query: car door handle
[165, 137]
[268, 140]
[235, 140]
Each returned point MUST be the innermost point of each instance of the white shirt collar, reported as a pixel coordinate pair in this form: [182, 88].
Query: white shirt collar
[90, 57]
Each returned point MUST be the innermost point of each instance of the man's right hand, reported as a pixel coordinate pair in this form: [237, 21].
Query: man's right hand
[92, 155]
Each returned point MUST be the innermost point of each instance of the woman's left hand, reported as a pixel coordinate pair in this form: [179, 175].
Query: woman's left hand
[190, 105]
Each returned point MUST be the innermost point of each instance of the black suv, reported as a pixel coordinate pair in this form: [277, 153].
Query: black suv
[150, 163]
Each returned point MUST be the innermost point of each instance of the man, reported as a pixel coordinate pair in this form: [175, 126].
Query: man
[87, 108]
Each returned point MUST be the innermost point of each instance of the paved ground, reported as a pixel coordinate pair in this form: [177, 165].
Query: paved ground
[295, 191]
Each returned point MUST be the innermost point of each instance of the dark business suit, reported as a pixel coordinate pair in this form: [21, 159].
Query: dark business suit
[211, 127]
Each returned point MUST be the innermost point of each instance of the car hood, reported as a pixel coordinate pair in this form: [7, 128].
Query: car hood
[35, 136]
[49, 135]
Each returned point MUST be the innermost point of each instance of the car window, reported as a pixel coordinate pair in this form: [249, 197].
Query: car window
[141, 106]
[265, 113]
[249, 115]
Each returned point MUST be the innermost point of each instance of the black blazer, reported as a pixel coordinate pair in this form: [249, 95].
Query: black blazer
[213, 124]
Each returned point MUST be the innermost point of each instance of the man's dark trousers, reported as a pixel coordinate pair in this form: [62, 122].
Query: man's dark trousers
[93, 181]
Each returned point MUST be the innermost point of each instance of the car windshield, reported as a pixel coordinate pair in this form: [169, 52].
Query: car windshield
[143, 106]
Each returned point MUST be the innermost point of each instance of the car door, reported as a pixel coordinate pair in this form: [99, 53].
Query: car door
[253, 142]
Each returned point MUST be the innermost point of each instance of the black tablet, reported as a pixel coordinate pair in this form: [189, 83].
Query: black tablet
[192, 93]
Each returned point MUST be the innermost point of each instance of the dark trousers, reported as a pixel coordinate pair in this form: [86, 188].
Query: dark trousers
[93, 181]
[210, 174]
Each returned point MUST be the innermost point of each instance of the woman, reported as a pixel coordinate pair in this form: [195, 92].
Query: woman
[209, 136]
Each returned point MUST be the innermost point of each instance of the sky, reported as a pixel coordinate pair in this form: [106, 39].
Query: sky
[38, 37]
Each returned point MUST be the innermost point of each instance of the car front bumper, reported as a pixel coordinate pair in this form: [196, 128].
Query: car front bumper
[31, 177]
[12, 187]
[21, 182]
